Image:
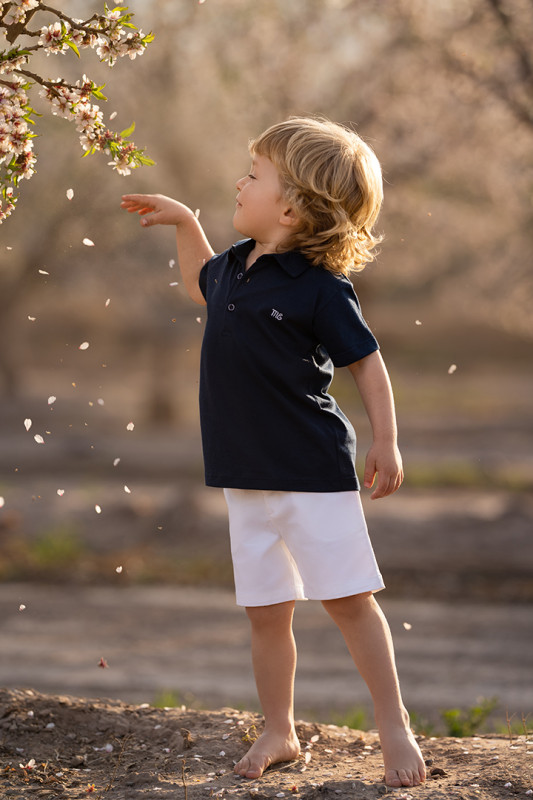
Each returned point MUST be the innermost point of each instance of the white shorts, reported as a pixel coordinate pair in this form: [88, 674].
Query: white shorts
[299, 546]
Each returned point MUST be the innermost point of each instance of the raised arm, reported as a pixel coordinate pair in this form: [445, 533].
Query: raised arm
[193, 247]
[383, 458]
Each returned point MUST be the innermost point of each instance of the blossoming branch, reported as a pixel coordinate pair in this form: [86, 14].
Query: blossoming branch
[111, 34]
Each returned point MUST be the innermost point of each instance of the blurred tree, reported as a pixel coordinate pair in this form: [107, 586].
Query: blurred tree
[419, 81]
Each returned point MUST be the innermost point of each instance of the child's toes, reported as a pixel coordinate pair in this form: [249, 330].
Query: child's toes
[402, 777]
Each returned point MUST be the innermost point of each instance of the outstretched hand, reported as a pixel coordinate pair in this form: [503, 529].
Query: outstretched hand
[386, 463]
[156, 209]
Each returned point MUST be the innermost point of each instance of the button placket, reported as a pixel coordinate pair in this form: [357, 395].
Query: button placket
[234, 289]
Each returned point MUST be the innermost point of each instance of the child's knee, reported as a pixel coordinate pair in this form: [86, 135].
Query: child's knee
[276, 615]
[349, 606]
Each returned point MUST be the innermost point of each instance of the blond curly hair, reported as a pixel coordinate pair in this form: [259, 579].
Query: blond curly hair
[332, 180]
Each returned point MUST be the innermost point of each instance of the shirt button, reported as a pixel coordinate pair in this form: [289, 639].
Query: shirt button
[231, 307]
[239, 276]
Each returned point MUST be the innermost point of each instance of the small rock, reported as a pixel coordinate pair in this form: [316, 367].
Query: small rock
[437, 772]
[188, 741]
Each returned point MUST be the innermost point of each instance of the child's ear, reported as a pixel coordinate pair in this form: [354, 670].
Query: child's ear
[288, 218]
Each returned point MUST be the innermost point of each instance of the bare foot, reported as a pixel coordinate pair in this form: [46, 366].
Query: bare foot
[404, 765]
[269, 748]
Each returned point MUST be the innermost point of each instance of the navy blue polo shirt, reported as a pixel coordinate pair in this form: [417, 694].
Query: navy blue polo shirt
[273, 334]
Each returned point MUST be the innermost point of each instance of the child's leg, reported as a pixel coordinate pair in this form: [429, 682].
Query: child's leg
[274, 661]
[367, 634]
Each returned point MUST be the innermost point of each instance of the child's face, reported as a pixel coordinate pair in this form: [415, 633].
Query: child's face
[261, 209]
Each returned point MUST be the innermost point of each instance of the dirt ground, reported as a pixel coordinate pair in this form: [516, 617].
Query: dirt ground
[58, 746]
[146, 525]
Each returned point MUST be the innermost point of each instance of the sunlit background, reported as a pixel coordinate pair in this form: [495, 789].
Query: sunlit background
[113, 497]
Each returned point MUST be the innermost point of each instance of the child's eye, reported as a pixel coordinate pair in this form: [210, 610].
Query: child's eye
[251, 176]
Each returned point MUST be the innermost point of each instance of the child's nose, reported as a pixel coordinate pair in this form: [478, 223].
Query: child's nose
[240, 183]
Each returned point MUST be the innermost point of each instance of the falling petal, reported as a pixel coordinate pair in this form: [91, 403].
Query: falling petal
[107, 302]
[127, 489]
[197, 213]
[38, 438]
[116, 461]
[22, 607]
[314, 738]
[307, 757]
[418, 322]
[103, 663]
[98, 509]
[130, 426]
[452, 369]
[113, 115]
[51, 399]
[83, 346]
[407, 626]
[174, 283]
[32, 319]
[70, 194]
[60, 492]
[88, 242]
[119, 570]
[100, 402]
[198, 319]
[171, 263]
[43, 272]
[27, 424]
[2, 502]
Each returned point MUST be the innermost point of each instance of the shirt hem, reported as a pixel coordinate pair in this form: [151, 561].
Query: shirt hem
[343, 485]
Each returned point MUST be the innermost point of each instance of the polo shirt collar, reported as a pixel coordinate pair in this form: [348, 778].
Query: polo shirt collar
[293, 262]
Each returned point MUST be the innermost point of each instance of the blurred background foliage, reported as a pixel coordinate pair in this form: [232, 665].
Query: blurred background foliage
[443, 90]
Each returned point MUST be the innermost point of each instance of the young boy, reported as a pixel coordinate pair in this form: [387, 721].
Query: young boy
[281, 313]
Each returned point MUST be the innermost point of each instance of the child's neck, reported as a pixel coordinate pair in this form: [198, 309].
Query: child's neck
[261, 249]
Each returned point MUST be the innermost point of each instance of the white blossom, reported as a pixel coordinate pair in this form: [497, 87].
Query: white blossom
[113, 36]
[52, 37]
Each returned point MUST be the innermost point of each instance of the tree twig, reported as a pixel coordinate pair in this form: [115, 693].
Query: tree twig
[183, 778]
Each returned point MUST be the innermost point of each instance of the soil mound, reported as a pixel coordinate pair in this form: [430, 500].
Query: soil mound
[64, 747]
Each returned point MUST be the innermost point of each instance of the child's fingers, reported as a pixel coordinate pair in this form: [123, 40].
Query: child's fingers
[140, 208]
[388, 483]
[153, 219]
[137, 203]
[384, 487]
[389, 478]
[370, 473]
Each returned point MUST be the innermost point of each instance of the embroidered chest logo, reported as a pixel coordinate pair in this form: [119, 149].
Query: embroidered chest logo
[276, 314]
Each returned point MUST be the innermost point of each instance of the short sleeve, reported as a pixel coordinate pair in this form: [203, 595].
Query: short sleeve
[202, 279]
[341, 328]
